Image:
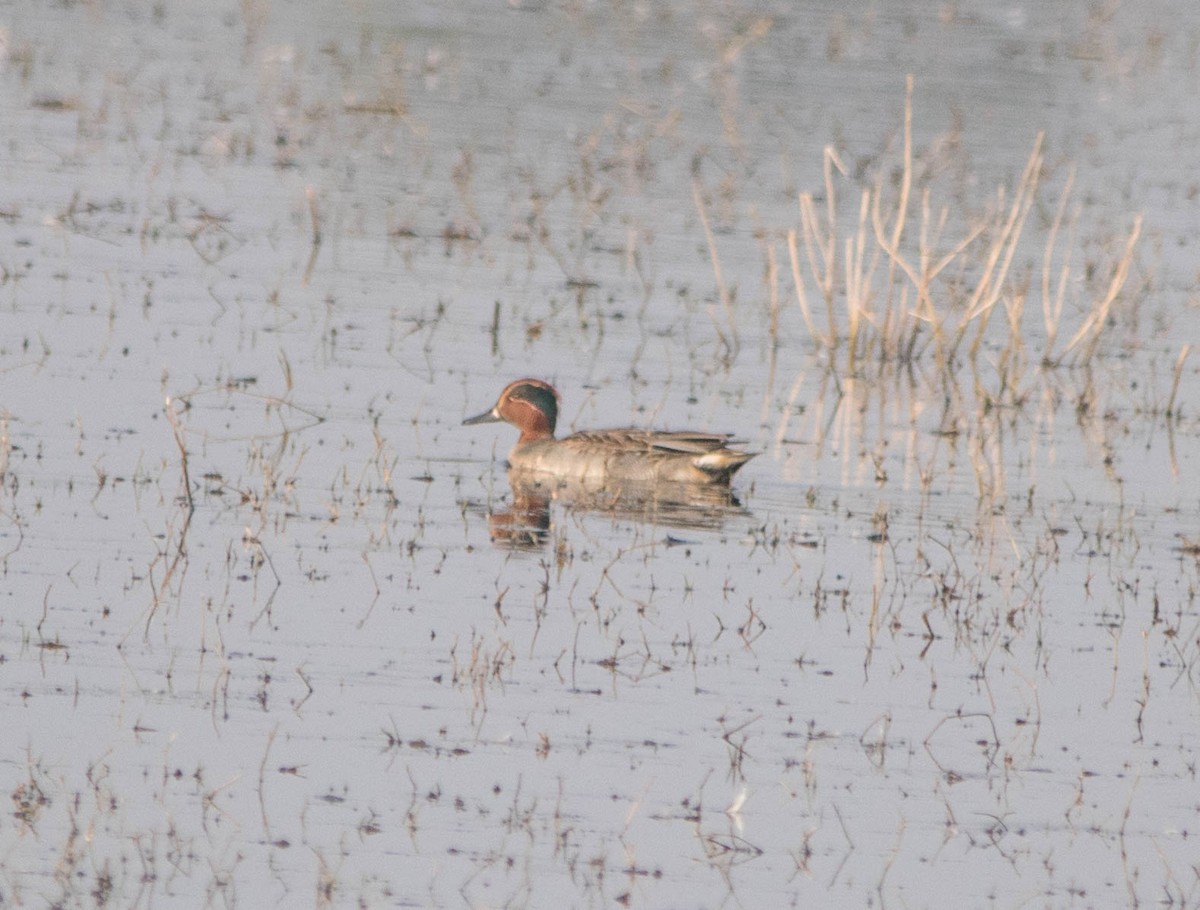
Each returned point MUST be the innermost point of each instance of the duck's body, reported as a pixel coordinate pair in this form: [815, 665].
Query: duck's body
[642, 456]
[602, 457]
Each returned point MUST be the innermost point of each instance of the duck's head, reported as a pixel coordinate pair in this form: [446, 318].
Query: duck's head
[530, 405]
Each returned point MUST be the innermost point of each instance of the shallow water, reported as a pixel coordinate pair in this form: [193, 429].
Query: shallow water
[942, 652]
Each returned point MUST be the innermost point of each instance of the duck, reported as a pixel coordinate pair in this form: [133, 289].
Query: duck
[603, 458]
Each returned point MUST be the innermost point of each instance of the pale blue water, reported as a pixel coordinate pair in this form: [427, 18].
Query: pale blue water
[917, 668]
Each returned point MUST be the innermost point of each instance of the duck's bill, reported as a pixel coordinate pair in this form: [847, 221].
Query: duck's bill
[486, 417]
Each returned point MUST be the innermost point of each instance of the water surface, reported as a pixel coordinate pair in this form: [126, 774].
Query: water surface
[259, 645]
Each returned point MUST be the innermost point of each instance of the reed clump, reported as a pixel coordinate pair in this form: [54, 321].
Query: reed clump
[903, 281]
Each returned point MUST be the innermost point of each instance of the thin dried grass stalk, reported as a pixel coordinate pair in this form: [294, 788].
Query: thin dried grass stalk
[1096, 320]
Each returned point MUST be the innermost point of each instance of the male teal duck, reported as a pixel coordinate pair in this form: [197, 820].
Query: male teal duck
[603, 457]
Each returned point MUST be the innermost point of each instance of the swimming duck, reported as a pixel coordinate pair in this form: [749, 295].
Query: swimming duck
[602, 457]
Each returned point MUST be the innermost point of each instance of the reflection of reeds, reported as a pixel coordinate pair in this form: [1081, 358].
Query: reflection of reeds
[888, 269]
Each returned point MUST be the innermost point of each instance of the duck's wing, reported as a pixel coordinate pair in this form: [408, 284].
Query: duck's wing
[648, 442]
[689, 443]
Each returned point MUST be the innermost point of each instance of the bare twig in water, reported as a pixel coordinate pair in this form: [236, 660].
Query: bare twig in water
[1183, 356]
[315, 215]
[176, 552]
[177, 430]
[262, 773]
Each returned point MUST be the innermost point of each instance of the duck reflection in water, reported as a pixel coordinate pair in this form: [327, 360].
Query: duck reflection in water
[525, 524]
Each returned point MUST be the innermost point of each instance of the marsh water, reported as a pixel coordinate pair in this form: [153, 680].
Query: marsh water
[265, 636]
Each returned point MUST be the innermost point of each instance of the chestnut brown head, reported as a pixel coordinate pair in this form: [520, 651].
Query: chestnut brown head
[530, 405]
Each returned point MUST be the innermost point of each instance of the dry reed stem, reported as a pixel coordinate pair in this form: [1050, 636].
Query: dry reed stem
[730, 343]
[1052, 307]
[906, 174]
[802, 294]
[1093, 326]
[825, 271]
[1003, 249]
[859, 283]
[772, 279]
[922, 280]
[891, 325]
